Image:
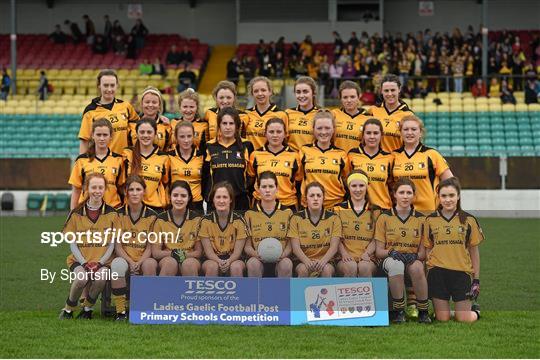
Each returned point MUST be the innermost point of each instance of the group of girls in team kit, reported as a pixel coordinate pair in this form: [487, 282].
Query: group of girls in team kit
[348, 192]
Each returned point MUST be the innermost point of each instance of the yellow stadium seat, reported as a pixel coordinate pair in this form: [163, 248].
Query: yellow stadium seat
[494, 107]
[455, 95]
[508, 107]
[481, 100]
[469, 108]
[534, 107]
[494, 100]
[522, 107]
[430, 108]
[520, 97]
[482, 107]
[456, 107]
[467, 94]
[468, 101]
[443, 108]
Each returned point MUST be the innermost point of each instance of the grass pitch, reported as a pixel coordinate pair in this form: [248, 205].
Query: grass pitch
[29, 307]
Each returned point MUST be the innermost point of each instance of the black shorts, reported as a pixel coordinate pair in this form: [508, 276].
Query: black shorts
[445, 284]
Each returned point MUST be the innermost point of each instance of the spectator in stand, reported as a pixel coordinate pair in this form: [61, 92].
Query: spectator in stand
[139, 32]
[187, 79]
[5, 85]
[306, 47]
[368, 97]
[119, 45]
[43, 86]
[100, 46]
[279, 65]
[494, 88]
[324, 70]
[349, 72]
[76, 34]
[107, 30]
[479, 88]
[457, 72]
[419, 91]
[353, 41]
[280, 45]
[131, 48]
[173, 56]
[249, 68]
[90, 30]
[507, 93]
[233, 70]
[336, 72]
[145, 68]
[186, 56]
[158, 68]
[117, 29]
[58, 36]
[532, 89]
[338, 43]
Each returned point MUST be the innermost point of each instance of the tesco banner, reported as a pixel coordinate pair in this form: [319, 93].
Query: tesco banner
[253, 301]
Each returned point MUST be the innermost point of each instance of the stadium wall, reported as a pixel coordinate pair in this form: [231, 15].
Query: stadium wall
[483, 203]
[211, 21]
[402, 15]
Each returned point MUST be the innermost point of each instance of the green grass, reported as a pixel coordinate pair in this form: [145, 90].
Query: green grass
[29, 308]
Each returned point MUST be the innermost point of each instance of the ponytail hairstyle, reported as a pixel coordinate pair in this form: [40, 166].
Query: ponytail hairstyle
[184, 185]
[371, 121]
[224, 84]
[93, 175]
[190, 94]
[276, 120]
[136, 149]
[309, 82]
[232, 112]
[156, 92]
[228, 187]
[101, 122]
[453, 182]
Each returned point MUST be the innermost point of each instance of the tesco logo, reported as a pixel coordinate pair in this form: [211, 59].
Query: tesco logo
[354, 290]
[211, 287]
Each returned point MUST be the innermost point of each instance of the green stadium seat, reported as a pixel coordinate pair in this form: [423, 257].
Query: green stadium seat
[511, 141]
[470, 127]
[471, 140]
[528, 153]
[484, 141]
[431, 142]
[443, 127]
[34, 201]
[484, 127]
[483, 120]
[497, 126]
[510, 126]
[443, 141]
[62, 202]
[535, 125]
[443, 120]
[526, 141]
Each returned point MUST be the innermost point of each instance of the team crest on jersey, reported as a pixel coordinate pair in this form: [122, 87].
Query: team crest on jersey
[383, 167]
[160, 135]
[158, 168]
[286, 163]
[397, 124]
[421, 165]
[335, 161]
[327, 232]
[416, 233]
[369, 226]
[238, 155]
[461, 229]
[282, 226]
[114, 171]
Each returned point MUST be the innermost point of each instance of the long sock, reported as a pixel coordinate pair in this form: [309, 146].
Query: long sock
[398, 304]
[88, 303]
[71, 305]
[423, 305]
[120, 299]
[411, 296]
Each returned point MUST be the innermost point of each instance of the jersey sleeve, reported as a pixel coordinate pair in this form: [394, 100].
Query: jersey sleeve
[380, 229]
[336, 227]
[428, 238]
[204, 226]
[241, 229]
[477, 235]
[75, 179]
[85, 132]
[132, 114]
[293, 228]
[252, 165]
[439, 163]
[283, 116]
[166, 171]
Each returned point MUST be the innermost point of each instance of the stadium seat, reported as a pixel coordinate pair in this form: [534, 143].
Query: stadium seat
[34, 201]
[61, 202]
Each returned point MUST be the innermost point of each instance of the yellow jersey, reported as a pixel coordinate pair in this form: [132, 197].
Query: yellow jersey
[379, 170]
[256, 122]
[189, 170]
[178, 236]
[300, 127]
[223, 240]
[390, 121]
[262, 225]
[349, 128]
[398, 234]
[139, 228]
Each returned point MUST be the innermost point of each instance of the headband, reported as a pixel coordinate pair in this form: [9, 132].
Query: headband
[357, 176]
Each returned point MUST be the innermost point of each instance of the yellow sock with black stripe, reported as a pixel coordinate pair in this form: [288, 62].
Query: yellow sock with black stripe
[423, 305]
[71, 305]
[398, 304]
[88, 303]
[120, 299]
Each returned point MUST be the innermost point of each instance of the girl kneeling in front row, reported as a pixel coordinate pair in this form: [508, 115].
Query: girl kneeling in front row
[452, 239]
